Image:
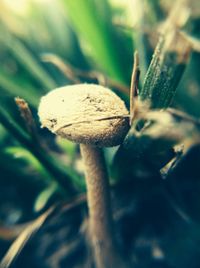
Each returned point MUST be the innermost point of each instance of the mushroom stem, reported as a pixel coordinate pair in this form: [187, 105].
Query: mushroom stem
[98, 195]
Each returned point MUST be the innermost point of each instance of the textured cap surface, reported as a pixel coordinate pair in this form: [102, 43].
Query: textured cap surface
[80, 113]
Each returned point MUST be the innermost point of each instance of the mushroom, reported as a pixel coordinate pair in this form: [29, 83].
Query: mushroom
[94, 117]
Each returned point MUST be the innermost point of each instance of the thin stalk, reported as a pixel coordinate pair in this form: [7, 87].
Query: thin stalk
[98, 195]
[134, 86]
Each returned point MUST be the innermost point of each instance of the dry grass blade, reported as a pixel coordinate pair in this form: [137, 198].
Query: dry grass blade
[65, 68]
[11, 233]
[23, 238]
[76, 75]
[31, 229]
[184, 116]
[179, 15]
[134, 86]
[27, 116]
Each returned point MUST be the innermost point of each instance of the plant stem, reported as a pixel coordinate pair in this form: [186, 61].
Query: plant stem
[98, 195]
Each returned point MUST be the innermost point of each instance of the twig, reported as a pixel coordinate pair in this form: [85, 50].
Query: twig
[134, 85]
[195, 43]
[75, 75]
[27, 116]
[178, 16]
[66, 69]
[183, 116]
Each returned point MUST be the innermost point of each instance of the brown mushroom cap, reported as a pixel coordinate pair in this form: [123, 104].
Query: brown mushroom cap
[80, 113]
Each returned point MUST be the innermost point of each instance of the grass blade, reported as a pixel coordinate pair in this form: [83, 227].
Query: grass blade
[141, 21]
[168, 63]
[166, 69]
[95, 28]
[14, 87]
[18, 245]
[27, 59]
[61, 174]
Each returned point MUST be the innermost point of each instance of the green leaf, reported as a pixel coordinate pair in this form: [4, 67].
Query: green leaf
[43, 198]
[166, 69]
[16, 87]
[169, 59]
[142, 19]
[21, 153]
[28, 60]
[91, 23]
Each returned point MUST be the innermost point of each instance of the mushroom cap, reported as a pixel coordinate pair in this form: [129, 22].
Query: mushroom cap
[81, 113]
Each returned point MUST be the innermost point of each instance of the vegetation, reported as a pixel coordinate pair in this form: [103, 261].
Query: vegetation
[154, 173]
